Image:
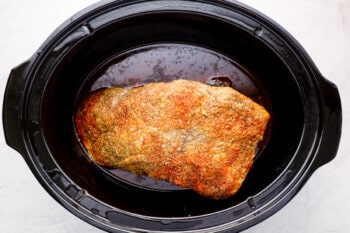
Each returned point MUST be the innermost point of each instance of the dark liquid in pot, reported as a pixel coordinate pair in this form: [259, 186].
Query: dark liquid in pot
[167, 62]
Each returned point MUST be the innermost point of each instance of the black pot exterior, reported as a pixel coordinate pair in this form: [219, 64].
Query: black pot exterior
[42, 94]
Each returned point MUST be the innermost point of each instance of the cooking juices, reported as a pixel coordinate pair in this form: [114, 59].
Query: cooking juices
[166, 62]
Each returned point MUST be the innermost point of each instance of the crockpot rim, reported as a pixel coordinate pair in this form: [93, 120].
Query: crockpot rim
[41, 56]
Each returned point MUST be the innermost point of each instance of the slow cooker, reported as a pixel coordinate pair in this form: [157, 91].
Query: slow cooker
[122, 43]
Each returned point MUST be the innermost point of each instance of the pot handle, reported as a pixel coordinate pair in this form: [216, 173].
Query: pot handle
[332, 123]
[12, 121]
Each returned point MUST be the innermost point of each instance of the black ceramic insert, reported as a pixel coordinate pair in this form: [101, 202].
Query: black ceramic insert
[259, 58]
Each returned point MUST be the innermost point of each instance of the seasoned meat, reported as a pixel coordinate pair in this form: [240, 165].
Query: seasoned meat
[185, 132]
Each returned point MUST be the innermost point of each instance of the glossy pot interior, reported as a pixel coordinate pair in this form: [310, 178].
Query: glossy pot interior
[69, 64]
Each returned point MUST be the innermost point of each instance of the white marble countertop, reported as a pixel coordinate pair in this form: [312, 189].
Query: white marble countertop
[321, 26]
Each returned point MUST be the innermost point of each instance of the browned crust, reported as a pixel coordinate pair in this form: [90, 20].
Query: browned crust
[190, 134]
